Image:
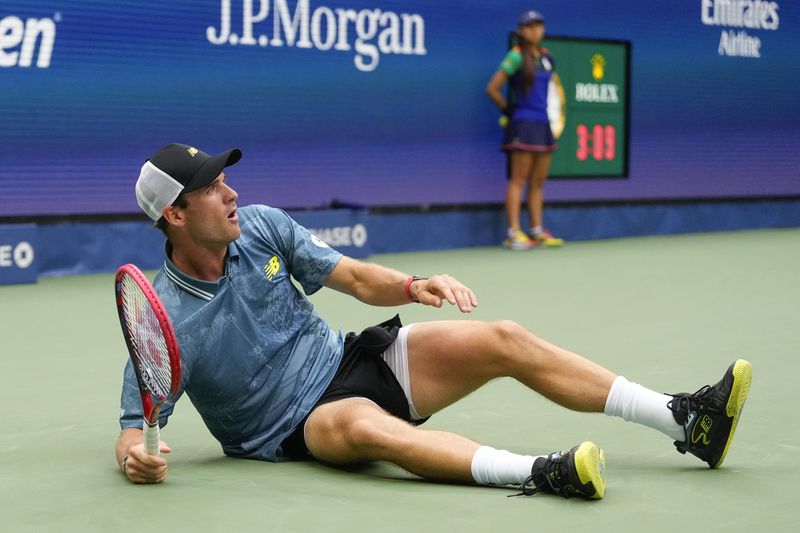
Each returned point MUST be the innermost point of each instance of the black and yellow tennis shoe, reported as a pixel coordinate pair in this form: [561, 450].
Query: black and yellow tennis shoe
[578, 472]
[709, 416]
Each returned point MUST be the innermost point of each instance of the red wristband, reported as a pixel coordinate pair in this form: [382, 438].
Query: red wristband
[410, 296]
[409, 281]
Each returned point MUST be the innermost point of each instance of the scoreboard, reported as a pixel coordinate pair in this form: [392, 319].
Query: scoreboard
[595, 76]
[593, 130]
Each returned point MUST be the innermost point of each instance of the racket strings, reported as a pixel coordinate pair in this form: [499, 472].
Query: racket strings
[147, 338]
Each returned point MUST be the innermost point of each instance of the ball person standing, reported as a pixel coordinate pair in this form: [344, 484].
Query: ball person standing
[529, 139]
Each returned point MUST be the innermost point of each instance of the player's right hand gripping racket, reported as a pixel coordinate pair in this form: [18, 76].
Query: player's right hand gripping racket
[152, 346]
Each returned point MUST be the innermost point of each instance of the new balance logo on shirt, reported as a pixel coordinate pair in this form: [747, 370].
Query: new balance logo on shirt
[272, 268]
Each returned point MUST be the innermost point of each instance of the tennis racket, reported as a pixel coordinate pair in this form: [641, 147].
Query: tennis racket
[152, 346]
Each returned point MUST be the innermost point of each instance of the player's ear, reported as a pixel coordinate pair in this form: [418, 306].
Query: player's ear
[174, 215]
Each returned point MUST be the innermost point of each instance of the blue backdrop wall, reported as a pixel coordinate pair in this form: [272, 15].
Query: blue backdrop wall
[376, 102]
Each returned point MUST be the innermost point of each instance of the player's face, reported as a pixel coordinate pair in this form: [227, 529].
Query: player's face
[533, 33]
[211, 213]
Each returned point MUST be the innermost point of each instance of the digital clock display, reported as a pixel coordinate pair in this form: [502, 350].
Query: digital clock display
[594, 75]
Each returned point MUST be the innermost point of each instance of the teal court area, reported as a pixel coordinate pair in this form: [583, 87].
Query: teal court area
[669, 312]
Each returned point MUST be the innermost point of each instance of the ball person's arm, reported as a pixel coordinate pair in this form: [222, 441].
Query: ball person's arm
[134, 461]
[495, 89]
[377, 285]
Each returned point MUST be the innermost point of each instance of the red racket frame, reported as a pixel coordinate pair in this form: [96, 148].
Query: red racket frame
[150, 409]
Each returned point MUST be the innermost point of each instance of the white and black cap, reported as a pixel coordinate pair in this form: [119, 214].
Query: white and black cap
[175, 169]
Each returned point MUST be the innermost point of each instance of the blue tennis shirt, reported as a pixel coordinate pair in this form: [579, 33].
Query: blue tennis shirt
[533, 105]
[255, 355]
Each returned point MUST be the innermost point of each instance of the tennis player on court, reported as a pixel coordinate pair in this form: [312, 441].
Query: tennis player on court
[273, 381]
[528, 138]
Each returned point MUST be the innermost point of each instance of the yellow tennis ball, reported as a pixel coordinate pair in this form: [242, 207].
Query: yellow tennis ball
[503, 121]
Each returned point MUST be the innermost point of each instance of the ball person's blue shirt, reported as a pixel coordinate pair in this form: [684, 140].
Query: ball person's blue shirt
[531, 105]
[255, 355]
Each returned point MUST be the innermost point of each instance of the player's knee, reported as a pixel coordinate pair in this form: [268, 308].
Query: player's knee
[509, 339]
[368, 436]
[508, 334]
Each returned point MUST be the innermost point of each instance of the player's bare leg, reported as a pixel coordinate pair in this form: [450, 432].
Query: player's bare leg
[356, 430]
[450, 359]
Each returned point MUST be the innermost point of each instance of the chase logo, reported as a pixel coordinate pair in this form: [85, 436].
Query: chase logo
[18, 41]
[18, 262]
[19, 255]
[355, 235]
[598, 67]
[272, 268]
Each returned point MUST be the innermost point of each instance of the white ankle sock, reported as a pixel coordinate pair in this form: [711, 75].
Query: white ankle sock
[536, 230]
[500, 467]
[634, 403]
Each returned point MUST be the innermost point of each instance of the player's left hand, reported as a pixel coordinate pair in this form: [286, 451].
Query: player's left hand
[438, 289]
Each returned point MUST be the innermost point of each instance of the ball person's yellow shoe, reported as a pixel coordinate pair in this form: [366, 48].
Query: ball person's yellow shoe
[546, 239]
[518, 240]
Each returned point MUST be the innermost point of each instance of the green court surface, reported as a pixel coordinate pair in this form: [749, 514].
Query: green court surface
[669, 312]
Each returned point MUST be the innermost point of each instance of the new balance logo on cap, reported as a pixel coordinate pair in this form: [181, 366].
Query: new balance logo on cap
[176, 169]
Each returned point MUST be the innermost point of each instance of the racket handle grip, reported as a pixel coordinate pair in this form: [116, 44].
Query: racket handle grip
[152, 438]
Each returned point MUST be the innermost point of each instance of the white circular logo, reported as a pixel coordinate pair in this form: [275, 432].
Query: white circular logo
[23, 255]
[359, 235]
